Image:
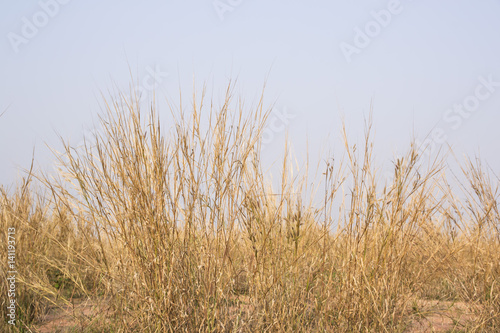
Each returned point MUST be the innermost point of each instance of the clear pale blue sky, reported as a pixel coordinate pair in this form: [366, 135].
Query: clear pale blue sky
[429, 56]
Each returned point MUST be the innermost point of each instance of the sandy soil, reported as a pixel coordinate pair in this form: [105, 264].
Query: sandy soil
[442, 316]
[78, 315]
[436, 316]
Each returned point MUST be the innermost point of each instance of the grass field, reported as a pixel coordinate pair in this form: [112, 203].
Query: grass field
[149, 229]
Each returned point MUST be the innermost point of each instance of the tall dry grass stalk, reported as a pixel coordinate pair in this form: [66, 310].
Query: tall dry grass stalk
[181, 231]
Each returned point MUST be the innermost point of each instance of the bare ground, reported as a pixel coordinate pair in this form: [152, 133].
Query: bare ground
[435, 316]
[442, 316]
[79, 315]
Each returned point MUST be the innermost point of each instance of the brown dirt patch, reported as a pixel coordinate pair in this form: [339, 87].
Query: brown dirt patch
[81, 314]
[434, 316]
[442, 316]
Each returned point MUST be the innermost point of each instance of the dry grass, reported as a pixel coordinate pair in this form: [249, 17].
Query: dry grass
[182, 232]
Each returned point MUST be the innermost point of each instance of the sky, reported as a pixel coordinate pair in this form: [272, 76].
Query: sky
[428, 70]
